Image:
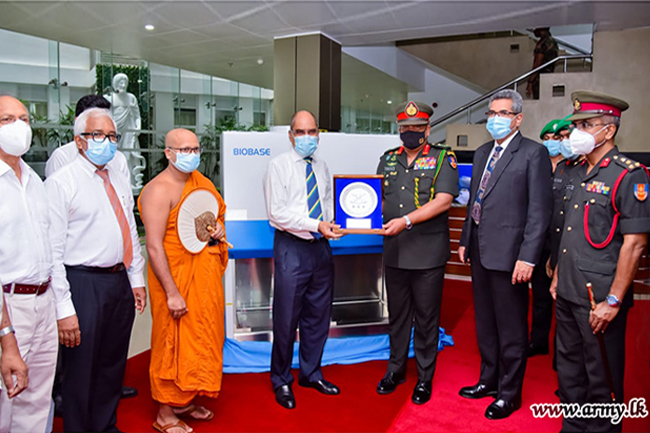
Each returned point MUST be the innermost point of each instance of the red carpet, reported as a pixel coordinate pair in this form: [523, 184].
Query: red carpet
[247, 402]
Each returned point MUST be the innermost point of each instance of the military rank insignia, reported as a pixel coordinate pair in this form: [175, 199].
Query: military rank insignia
[641, 191]
[427, 163]
[577, 105]
[453, 162]
[597, 187]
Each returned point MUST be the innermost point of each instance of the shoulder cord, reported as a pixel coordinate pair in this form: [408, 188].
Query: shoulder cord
[441, 159]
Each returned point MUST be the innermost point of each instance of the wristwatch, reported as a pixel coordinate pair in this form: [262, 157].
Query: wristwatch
[7, 330]
[613, 301]
[409, 224]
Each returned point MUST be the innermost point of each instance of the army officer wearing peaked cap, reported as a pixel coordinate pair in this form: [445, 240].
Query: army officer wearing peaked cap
[606, 225]
[420, 183]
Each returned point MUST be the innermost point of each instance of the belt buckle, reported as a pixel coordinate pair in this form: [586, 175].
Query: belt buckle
[13, 288]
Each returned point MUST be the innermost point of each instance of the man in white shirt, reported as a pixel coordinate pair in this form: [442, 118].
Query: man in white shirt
[25, 270]
[97, 273]
[67, 153]
[298, 194]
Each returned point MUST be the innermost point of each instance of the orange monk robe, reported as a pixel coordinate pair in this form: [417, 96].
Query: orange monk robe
[187, 354]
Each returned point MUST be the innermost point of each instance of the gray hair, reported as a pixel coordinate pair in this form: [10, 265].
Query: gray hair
[515, 98]
[293, 118]
[612, 120]
[80, 122]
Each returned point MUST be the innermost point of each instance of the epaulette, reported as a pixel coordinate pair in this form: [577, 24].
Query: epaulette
[441, 146]
[626, 162]
[390, 151]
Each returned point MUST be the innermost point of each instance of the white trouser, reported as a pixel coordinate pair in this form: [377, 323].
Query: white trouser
[34, 318]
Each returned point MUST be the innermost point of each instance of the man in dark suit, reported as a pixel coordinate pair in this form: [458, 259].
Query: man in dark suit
[508, 214]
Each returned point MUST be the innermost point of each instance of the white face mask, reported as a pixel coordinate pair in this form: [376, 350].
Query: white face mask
[15, 138]
[583, 143]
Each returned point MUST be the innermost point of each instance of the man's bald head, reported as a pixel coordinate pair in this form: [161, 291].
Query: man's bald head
[181, 138]
[12, 109]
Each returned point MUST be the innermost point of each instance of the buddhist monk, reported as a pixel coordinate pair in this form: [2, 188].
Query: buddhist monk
[187, 301]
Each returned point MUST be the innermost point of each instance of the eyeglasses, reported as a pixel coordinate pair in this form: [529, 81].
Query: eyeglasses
[8, 118]
[187, 150]
[100, 136]
[302, 132]
[416, 128]
[584, 125]
[502, 113]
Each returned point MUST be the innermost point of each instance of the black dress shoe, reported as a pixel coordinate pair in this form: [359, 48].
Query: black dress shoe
[284, 397]
[500, 409]
[321, 386]
[421, 392]
[389, 382]
[479, 390]
[128, 392]
[536, 349]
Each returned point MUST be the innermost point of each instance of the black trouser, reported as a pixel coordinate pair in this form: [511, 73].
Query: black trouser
[414, 294]
[303, 289]
[94, 370]
[542, 304]
[501, 310]
[580, 368]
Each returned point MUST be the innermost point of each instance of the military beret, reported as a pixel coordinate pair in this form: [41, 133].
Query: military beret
[413, 113]
[555, 126]
[594, 104]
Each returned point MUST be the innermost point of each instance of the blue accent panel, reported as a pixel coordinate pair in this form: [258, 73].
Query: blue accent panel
[255, 356]
[254, 239]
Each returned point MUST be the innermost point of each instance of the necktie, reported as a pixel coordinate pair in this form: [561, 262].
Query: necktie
[476, 208]
[127, 244]
[313, 200]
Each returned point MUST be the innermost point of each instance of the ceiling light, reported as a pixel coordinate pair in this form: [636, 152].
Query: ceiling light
[260, 61]
[389, 102]
[149, 27]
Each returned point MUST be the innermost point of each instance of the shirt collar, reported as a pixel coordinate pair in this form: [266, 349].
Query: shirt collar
[4, 168]
[506, 142]
[88, 167]
[25, 170]
[295, 156]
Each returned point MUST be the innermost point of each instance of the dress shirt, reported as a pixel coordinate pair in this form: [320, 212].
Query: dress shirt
[67, 153]
[285, 192]
[25, 254]
[84, 229]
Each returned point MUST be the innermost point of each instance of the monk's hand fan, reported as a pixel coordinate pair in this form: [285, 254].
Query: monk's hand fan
[197, 212]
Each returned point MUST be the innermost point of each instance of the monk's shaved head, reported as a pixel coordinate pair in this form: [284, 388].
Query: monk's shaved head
[10, 106]
[181, 138]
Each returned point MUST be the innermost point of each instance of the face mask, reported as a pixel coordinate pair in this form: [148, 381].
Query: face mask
[15, 138]
[306, 145]
[565, 149]
[498, 127]
[187, 162]
[553, 147]
[583, 143]
[412, 139]
[100, 152]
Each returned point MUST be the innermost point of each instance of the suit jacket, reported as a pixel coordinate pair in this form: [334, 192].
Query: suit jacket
[517, 204]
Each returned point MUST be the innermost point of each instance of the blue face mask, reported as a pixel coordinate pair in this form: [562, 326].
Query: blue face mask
[565, 149]
[100, 152]
[498, 127]
[187, 162]
[553, 147]
[306, 145]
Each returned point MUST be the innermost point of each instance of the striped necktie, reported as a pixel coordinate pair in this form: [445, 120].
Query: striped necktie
[127, 244]
[477, 207]
[313, 200]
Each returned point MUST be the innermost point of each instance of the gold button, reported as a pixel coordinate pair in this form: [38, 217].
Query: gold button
[403, 188]
[401, 205]
[386, 183]
[561, 212]
[582, 184]
[636, 164]
[564, 251]
[557, 230]
[616, 157]
[568, 229]
[565, 198]
[576, 206]
[592, 201]
[406, 171]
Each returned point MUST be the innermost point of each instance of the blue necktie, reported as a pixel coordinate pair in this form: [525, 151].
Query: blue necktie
[313, 200]
[476, 208]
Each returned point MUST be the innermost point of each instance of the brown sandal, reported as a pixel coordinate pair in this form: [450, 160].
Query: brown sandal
[190, 409]
[166, 428]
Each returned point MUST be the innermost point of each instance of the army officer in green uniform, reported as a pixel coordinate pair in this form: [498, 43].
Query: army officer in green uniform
[420, 183]
[606, 225]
